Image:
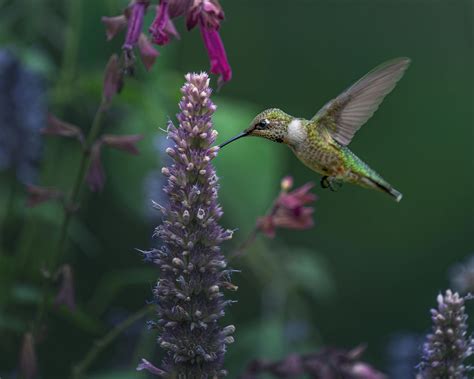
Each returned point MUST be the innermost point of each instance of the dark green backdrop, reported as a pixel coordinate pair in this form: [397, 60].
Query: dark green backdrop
[368, 270]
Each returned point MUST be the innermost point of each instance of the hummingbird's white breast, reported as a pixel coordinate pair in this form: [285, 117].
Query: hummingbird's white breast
[296, 132]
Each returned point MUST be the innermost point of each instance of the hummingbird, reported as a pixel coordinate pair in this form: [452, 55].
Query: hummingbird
[321, 143]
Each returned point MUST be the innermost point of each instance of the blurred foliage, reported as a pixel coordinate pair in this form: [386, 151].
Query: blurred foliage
[368, 269]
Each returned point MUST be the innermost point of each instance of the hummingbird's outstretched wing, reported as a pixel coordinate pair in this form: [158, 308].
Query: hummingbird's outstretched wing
[344, 115]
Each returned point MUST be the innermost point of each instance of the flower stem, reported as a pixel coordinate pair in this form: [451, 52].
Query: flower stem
[101, 344]
[69, 207]
[78, 184]
[240, 250]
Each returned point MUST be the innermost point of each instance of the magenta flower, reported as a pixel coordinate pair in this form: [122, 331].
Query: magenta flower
[162, 28]
[208, 14]
[289, 210]
[217, 55]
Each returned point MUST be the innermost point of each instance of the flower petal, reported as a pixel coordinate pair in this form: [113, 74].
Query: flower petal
[57, 127]
[113, 79]
[146, 365]
[147, 52]
[217, 55]
[162, 28]
[135, 23]
[95, 175]
[113, 25]
[124, 143]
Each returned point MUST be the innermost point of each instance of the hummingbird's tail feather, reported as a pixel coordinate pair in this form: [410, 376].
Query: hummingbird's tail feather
[397, 195]
[384, 187]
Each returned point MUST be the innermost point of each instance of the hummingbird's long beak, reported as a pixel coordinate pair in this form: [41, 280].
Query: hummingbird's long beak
[243, 134]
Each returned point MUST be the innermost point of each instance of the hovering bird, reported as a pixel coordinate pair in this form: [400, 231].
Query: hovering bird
[321, 143]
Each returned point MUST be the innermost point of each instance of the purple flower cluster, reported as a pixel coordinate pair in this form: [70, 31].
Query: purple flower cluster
[193, 271]
[446, 349]
[207, 14]
[22, 114]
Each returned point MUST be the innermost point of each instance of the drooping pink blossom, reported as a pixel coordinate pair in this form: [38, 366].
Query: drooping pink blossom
[216, 52]
[289, 210]
[208, 14]
[162, 28]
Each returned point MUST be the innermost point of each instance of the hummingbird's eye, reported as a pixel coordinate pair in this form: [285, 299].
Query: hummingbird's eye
[262, 124]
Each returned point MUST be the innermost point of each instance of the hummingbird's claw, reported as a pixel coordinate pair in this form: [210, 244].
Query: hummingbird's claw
[325, 182]
[331, 182]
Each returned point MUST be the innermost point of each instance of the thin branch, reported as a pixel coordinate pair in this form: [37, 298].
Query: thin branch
[100, 345]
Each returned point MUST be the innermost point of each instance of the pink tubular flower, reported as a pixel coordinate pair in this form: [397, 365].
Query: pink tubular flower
[217, 55]
[289, 210]
[208, 14]
[162, 28]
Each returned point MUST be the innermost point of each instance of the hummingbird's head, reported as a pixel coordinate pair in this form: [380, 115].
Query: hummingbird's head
[271, 124]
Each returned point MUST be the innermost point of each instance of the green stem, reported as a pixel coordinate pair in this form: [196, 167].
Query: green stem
[66, 74]
[78, 184]
[71, 204]
[245, 244]
[9, 208]
[101, 344]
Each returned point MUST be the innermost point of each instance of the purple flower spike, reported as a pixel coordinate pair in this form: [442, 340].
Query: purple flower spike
[135, 23]
[447, 348]
[193, 271]
[216, 51]
[162, 28]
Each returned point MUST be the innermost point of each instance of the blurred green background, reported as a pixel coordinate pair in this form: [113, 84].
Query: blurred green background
[370, 268]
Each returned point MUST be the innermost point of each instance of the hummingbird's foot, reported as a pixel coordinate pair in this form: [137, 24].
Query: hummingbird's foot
[331, 182]
[325, 182]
